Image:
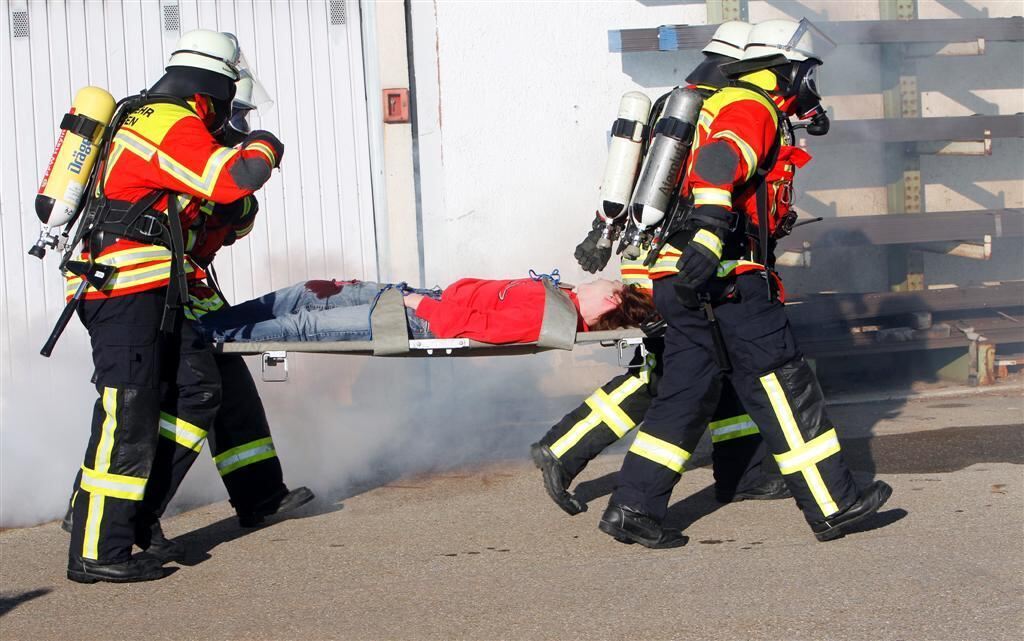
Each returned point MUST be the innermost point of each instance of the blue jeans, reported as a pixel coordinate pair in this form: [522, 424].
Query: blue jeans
[297, 313]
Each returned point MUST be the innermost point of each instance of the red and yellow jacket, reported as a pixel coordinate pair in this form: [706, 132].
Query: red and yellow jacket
[750, 123]
[166, 147]
[635, 273]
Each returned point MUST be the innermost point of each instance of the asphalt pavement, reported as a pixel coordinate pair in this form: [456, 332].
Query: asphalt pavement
[481, 553]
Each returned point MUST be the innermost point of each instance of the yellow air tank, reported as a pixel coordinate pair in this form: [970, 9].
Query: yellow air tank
[77, 147]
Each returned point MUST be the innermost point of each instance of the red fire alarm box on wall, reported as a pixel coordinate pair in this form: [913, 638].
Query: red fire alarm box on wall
[396, 105]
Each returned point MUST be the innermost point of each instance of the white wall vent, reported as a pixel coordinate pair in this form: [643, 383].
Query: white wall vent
[338, 12]
[19, 23]
[171, 15]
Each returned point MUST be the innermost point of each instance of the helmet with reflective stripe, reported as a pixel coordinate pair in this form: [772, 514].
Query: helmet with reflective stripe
[729, 40]
[210, 50]
[796, 41]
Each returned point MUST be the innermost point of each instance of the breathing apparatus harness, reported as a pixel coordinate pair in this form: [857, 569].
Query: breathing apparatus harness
[99, 219]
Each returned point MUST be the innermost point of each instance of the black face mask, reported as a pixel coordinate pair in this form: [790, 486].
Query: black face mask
[819, 122]
[236, 129]
[804, 86]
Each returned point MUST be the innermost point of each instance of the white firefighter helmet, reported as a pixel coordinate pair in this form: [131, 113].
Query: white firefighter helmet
[211, 50]
[729, 40]
[797, 41]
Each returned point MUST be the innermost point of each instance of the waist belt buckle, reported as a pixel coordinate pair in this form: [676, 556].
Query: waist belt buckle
[149, 226]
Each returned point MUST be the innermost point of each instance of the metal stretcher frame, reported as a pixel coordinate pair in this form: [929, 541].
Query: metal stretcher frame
[430, 346]
[274, 355]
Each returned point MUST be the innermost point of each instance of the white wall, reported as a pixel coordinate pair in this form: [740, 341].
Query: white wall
[316, 216]
[515, 106]
[513, 132]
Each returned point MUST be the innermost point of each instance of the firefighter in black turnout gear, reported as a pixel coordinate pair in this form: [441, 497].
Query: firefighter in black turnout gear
[622, 403]
[240, 439]
[717, 290]
[160, 162]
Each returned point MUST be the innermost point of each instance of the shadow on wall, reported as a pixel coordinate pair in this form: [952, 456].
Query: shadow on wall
[852, 179]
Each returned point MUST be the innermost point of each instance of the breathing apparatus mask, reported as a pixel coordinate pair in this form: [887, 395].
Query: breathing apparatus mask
[250, 95]
[799, 81]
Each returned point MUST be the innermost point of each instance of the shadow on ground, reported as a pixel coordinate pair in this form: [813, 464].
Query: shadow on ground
[9, 601]
[926, 452]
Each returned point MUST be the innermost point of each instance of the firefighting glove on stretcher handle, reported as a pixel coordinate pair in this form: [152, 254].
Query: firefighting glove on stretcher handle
[591, 257]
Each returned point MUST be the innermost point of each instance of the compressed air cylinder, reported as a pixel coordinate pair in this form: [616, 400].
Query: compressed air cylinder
[624, 154]
[666, 157]
[66, 177]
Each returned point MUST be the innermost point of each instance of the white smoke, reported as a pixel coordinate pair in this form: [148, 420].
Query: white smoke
[341, 424]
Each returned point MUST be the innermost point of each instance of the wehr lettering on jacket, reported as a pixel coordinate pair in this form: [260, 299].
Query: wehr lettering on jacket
[141, 112]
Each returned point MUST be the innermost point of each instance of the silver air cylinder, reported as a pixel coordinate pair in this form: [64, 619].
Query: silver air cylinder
[666, 158]
[623, 156]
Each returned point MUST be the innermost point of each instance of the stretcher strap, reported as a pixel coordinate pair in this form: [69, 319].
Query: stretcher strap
[388, 324]
[558, 328]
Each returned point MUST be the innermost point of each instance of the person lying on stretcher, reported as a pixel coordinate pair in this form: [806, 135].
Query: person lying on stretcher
[489, 311]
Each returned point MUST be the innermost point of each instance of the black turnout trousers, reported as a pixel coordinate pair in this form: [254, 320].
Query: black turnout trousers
[622, 403]
[772, 380]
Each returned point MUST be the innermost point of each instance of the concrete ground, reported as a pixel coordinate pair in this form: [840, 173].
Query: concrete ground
[482, 554]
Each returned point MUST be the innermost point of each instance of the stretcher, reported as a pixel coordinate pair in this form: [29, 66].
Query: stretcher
[391, 338]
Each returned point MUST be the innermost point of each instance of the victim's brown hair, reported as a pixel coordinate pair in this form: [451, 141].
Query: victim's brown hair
[635, 306]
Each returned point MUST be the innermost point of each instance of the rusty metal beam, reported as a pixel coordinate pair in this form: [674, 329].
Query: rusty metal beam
[817, 310]
[996, 333]
[904, 130]
[898, 229]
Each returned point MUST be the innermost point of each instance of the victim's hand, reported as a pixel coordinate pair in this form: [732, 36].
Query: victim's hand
[412, 300]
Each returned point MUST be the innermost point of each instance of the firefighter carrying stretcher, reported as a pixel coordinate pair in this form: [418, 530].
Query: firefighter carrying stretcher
[716, 287]
[159, 383]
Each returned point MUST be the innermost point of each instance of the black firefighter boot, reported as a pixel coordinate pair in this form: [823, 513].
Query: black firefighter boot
[153, 541]
[150, 539]
[556, 479]
[284, 502]
[869, 502]
[768, 489]
[627, 525]
[135, 569]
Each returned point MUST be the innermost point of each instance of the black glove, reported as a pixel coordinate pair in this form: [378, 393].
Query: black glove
[269, 139]
[654, 327]
[591, 257]
[699, 261]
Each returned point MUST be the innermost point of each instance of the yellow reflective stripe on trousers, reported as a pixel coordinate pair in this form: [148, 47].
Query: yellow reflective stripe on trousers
[105, 446]
[131, 488]
[182, 432]
[810, 453]
[708, 240]
[612, 415]
[595, 417]
[730, 428]
[795, 440]
[101, 462]
[659, 451]
[238, 457]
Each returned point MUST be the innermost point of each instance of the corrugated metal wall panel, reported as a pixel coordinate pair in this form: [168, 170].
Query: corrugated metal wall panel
[316, 213]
